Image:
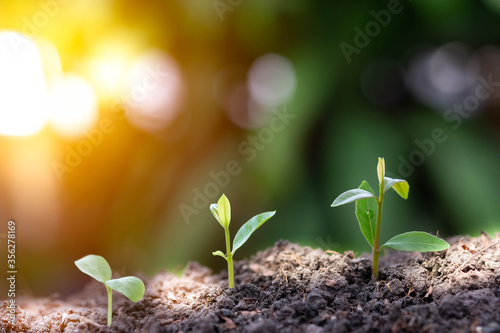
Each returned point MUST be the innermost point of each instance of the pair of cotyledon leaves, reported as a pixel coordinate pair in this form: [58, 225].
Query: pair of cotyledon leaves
[366, 206]
[222, 212]
[98, 268]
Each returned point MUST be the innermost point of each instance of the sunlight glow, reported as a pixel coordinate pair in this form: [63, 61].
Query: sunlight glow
[108, 65]
[23, 92]
[51, 61]
[73, 105]
[107, 73]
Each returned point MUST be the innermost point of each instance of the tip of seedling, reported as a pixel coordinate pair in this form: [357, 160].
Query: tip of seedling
[381, 170]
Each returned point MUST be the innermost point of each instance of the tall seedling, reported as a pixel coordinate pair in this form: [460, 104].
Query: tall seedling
[367, 203]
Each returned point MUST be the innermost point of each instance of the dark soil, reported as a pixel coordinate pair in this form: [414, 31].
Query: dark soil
[289, 288]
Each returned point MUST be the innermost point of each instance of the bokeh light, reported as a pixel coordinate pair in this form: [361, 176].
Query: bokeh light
[443, 76]
[271, 80]
[453, 68]
[73, 105]
[109, 61]
[238, 108]
[154, 91]
[51, 60]
[23, 92]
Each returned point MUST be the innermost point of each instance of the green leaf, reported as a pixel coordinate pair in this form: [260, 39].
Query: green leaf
[352, 195]
[129, 286]
[401, 186]
[224, 211]
[366, 213]
[416, 241]
[95, 266]
[215, 213]
[219, 253]
[248, 228]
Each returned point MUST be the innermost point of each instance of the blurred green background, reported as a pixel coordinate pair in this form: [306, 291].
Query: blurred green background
[296, 98]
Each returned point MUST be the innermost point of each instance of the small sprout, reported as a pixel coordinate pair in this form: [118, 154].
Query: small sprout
[98, 268]
[222, 213]
[367, 203]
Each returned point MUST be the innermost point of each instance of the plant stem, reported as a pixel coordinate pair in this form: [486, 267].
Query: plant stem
[376, 241]
[110, 305]
[229, 259]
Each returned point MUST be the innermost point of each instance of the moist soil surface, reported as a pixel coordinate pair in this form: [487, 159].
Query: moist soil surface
[289, 288]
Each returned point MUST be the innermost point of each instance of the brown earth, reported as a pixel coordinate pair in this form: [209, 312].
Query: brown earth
[289, 288]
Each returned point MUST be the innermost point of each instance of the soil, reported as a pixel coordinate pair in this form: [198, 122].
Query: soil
[289, 288]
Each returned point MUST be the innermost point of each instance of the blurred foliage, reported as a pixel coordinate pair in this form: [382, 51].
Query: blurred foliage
[123, 201]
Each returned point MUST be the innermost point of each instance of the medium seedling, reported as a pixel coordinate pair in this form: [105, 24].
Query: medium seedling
[367, 203]
[97, 267]
[222, 213]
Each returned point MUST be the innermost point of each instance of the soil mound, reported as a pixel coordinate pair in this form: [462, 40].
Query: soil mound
[289, 288]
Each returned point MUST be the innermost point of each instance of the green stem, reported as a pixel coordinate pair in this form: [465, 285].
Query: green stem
[110, 305]
[376, 241]
[229, 259]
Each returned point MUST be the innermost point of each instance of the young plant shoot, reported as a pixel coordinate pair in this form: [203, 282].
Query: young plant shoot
[97, 267]
[367, 202]
[222, 212]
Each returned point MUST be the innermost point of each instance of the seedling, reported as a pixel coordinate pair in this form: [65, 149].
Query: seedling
[367, 203]
[222, 212]
[97, 267]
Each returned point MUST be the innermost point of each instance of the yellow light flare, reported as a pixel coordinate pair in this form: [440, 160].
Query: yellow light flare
[107, 73]
[23, 92]
[51, 61]
[109, 62]
[73, 105]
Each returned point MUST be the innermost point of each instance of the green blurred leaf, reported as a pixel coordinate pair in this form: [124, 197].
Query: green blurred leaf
[130, 286]
[365, 213]
[416, 241]
[219, 253]
[401, 186]
[95, 266]
[249, 227]
[352, 195]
